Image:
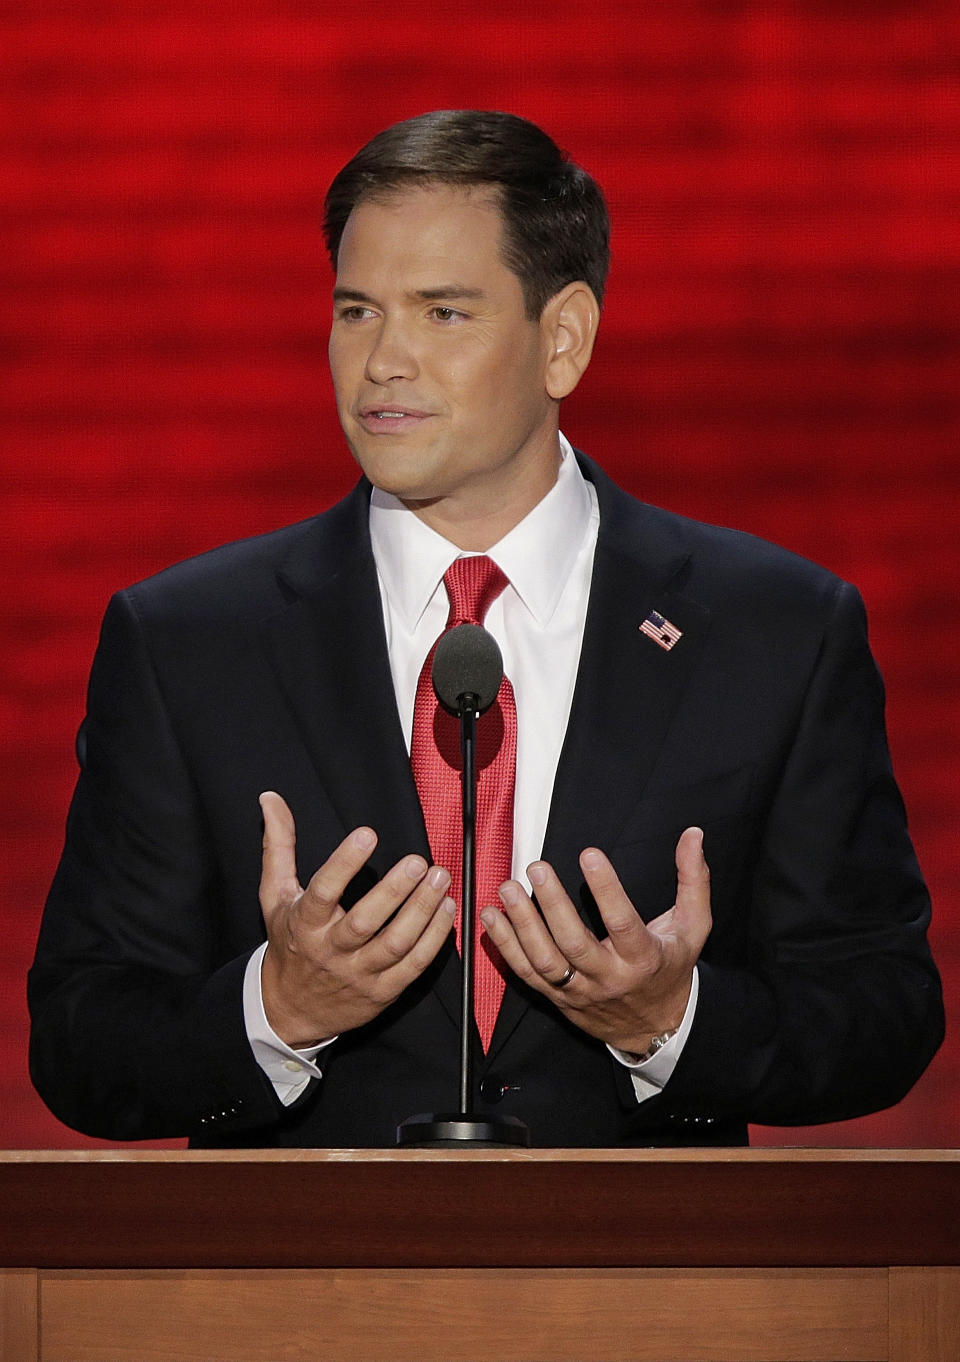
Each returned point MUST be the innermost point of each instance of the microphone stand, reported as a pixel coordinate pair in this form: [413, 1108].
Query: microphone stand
[454, 1130]
[468, 714]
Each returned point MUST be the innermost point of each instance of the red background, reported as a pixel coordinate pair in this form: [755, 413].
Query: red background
[779, 351]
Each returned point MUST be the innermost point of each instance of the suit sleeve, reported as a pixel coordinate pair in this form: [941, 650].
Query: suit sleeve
[137, 1019]
[837, 1008]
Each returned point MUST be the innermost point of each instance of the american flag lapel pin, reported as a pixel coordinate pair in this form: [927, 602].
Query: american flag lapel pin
[662, 632]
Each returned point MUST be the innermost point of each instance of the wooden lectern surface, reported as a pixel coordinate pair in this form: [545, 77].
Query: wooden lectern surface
[480, 1256]
[480, 1208]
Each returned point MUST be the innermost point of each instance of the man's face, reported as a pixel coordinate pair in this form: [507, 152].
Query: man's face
[439, 374]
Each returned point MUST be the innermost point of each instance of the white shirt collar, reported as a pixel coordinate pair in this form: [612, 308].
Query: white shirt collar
[537, 555]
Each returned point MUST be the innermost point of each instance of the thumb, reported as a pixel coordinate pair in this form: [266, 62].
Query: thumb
[691, 916]
[278, 877]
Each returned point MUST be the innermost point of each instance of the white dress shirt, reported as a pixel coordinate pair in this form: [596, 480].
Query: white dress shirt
[538, 622]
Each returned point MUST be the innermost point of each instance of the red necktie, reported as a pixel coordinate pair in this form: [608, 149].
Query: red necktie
[473, 584]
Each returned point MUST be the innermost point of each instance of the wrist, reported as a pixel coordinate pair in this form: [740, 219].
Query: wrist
[287, 1023]
[661, 1026]
[641, 1053]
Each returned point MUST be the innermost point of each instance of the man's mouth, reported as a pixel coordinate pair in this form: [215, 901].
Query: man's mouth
[391, 418]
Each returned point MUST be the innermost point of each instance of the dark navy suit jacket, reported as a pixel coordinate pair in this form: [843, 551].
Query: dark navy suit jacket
[263, 665]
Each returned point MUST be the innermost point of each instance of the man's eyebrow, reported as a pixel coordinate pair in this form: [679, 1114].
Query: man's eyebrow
[430, 295]
[343, 294]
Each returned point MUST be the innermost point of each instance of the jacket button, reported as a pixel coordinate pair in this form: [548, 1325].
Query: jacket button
[494, 1088]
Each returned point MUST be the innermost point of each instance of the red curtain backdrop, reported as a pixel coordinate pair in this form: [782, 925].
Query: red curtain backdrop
[779, 351]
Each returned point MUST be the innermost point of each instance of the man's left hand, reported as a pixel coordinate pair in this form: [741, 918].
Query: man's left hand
[629, 987]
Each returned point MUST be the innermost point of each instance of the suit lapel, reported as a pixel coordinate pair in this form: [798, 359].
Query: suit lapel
[329, 653]
[627, 691]
[328, 650]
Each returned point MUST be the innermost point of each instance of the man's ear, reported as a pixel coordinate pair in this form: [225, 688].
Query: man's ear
[569, 323]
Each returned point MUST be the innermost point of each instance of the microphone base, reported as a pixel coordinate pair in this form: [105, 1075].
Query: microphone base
[456, 1130]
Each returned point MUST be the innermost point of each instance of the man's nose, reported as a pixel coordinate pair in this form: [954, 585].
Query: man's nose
[392, 354]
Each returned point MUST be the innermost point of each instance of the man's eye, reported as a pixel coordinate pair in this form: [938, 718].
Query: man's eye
[354, 313]
[446, 314]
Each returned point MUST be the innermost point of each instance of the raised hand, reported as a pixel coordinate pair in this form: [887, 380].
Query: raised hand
[631, 986]
[328, 969]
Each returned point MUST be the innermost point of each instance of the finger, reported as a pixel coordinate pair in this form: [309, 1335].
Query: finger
[362, 922]
[278, 876]
[692, 918]
[577, 945]
[424, 949]
[530, 948]
[503, 934]
[321, 898]
[390, 946]
[627, 932]
[369, 914]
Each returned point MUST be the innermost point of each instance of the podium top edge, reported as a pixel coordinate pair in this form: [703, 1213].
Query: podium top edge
[766, 1155]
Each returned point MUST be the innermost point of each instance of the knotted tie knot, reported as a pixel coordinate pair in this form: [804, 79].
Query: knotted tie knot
[473, 584]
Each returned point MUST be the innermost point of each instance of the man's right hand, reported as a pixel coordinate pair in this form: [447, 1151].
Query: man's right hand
[327, 969]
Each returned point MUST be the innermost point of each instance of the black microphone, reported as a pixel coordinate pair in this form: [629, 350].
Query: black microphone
[467, 664]
[467, 671]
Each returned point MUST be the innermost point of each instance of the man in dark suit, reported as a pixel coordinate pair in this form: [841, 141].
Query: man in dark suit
[679, 689]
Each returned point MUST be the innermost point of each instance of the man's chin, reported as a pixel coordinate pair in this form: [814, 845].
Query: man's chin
[408, 485]
[410, 490]
[393, 470]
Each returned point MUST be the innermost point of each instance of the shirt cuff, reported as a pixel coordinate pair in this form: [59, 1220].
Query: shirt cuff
[650, 1076]
[288, 1070]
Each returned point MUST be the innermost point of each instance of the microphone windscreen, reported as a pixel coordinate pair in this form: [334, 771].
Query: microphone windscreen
[467, 662]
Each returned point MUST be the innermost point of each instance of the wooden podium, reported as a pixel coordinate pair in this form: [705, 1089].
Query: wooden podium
[763, 1255]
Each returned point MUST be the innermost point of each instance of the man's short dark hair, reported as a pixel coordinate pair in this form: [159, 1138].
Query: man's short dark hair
[556, 228]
